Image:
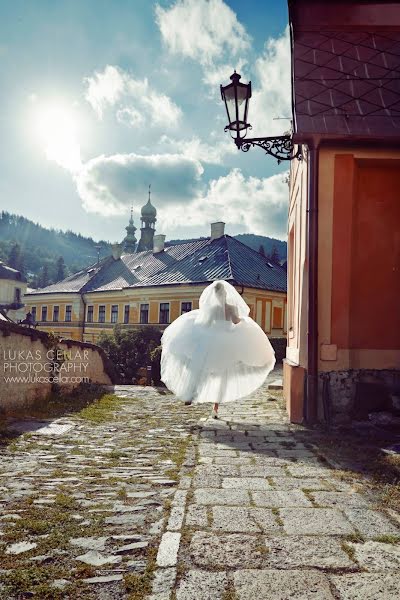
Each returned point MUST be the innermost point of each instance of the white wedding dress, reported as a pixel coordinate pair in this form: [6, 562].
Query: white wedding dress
[216, 353]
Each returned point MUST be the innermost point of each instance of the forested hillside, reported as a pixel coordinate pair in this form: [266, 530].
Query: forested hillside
[48, 255]
[44, 255]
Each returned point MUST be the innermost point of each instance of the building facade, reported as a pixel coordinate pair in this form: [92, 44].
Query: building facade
[343, 349]
[12, 291]
[153, 287]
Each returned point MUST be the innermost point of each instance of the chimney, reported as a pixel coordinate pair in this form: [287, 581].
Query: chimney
[116, 251]
[158, 243]
[217, 230]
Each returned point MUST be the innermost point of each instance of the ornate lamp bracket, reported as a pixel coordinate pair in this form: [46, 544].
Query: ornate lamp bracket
[280, 147]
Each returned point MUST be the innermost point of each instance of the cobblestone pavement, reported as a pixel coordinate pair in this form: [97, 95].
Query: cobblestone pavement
[165, 503]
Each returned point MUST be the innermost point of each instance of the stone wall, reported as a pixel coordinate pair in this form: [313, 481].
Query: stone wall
[354, 394]
[33, 363]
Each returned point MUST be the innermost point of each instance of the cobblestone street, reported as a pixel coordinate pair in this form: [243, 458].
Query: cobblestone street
[160, 501]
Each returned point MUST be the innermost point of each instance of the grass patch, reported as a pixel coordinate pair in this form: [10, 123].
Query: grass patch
[275, 511]
[355, 538]
[102, 409]
[31, 579]
[229, 593]
[139, 586]
[387, 539]
[351, 553]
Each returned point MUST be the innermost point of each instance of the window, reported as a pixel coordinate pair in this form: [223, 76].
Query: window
[186, 307]
[102, 313]
[114, 313]
[126, 313]
[164, 312]
[68, 312]
[17, 295]
[44, 313]
[89, 314]
[144, 313]
[33, 313]
[277, 318]
[56, 313]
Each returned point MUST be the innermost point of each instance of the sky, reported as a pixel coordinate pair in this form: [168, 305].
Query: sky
[100, 99]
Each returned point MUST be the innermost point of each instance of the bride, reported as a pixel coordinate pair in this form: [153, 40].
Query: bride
[216, 353]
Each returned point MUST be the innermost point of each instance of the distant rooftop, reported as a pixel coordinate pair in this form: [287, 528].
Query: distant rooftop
[10, 273]
[199, 261]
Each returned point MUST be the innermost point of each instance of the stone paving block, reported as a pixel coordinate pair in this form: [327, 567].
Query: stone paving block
[367, 586]
[340, 500]
[309, 471]
[175, 520]
[262, 471]
[281, 585]
[229, 551]
[210, 496]
[219, 470]
[315, 521]
[237, 462]
[245, 483]
[297, 551]
[233, 519]
[288, 483]
[196, 516]
[281, 499]
[163, 582]
[377, 556]
[207, 481]
[266, 519]
[202, 585]
[168, 549]
[371, 523]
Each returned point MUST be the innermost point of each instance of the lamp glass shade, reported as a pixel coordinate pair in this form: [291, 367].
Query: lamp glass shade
[236, 96]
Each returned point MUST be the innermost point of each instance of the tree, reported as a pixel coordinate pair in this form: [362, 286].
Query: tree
[130, 350]
[15, 257]
[274, 256]
[60, 265]
[44, 276]
[261, 250]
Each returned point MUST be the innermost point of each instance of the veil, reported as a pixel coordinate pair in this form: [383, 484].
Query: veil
[213, 300]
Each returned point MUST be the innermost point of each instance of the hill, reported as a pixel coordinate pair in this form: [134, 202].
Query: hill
[32, 249]
[47, 255]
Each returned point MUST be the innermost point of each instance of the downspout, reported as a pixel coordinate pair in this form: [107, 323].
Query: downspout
[311, 400]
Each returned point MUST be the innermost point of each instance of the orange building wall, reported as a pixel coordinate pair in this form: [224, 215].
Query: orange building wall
[366, 254]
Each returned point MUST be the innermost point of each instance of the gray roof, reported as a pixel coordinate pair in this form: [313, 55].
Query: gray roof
[198, 261]
[10, 273]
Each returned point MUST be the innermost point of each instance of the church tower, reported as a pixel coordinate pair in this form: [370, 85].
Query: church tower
[129, 243]
[148, 226]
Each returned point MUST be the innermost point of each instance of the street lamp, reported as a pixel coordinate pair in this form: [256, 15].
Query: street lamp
[236, 96]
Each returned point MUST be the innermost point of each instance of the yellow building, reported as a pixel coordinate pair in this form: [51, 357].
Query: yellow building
[155, 286]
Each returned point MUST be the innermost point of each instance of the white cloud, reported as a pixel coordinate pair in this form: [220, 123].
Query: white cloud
[202, 151]
[108, 185]
[272, 88]
[201, 29]
[133, 99]
[256, 205]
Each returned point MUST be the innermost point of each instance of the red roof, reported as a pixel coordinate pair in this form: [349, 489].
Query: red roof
[346, 79]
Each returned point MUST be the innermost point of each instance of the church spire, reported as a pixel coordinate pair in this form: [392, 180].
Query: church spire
[130, 240]
[148, 220]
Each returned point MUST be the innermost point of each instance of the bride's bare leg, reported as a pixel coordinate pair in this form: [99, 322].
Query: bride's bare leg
[215, 411]
[216, 406]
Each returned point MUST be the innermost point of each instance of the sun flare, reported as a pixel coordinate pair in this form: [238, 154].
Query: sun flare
[57, 130]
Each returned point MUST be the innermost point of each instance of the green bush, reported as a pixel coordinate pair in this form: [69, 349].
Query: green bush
[130, 350]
